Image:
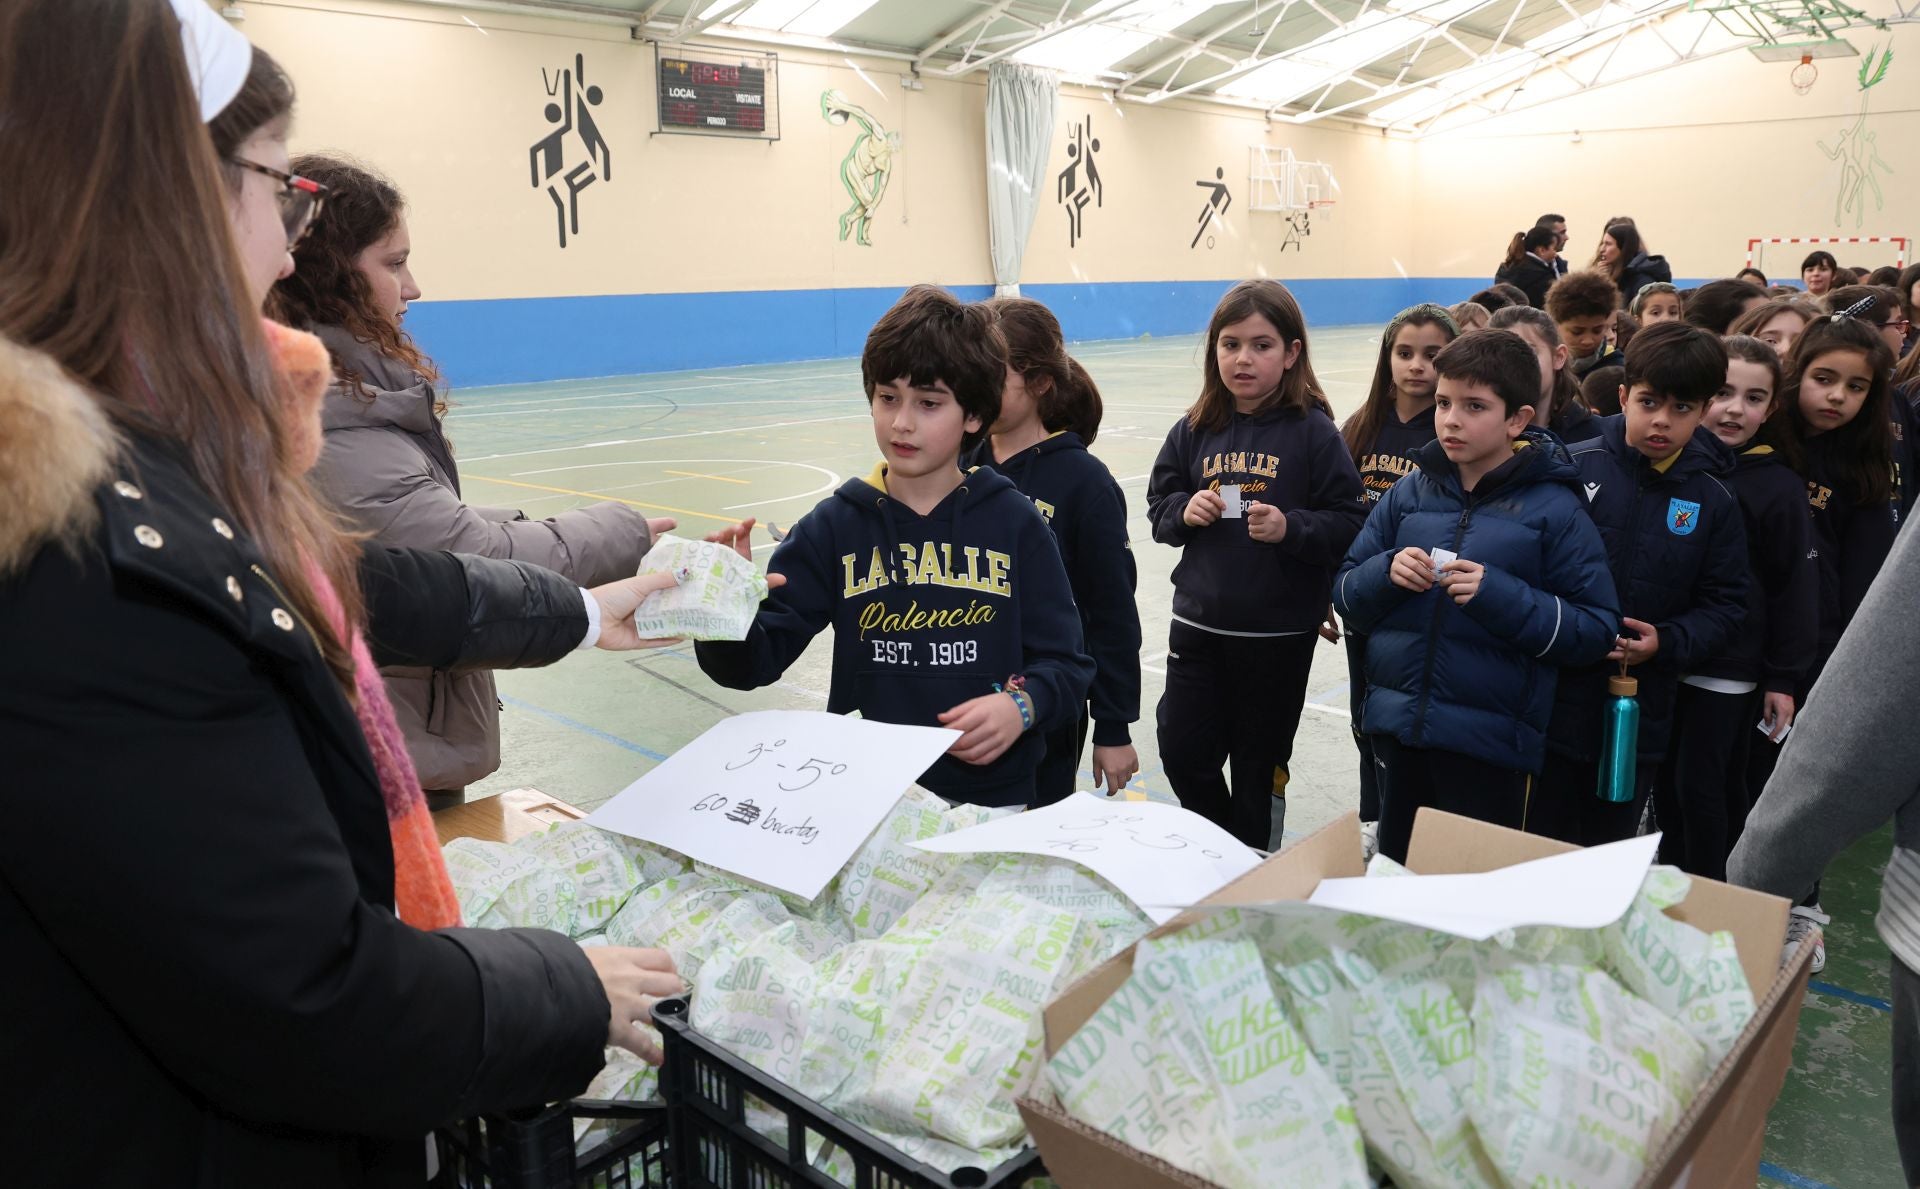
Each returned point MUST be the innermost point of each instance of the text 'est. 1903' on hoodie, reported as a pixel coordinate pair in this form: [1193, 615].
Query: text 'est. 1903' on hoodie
[927, 612]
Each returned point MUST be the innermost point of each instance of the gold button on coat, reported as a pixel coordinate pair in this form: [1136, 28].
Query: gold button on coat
[148, 536]
[233, 588]
[223, 528]
[126, 490]
[281, 619]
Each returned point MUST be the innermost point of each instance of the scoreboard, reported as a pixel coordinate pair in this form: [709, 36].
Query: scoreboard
[709, 96]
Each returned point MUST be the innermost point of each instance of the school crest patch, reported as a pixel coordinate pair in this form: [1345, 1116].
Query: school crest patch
[1682, 516]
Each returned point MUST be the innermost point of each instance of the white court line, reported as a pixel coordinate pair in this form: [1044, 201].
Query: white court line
[1323, 708]
[670, 437]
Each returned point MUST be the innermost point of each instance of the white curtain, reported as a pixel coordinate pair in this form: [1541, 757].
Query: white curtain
[1021, 102]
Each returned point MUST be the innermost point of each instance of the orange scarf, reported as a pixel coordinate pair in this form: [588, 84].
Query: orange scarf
[422, 891]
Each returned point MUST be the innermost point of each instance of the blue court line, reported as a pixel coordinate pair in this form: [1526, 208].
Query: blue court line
[1850, 996]
[1774, 1172]
[583, 728]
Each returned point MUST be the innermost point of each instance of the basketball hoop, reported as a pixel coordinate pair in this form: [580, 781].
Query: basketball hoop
[1804, 75]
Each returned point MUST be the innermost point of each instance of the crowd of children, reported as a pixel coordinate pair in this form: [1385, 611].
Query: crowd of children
[1532, 502]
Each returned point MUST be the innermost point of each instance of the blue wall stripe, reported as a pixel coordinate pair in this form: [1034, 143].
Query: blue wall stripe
[529, 339]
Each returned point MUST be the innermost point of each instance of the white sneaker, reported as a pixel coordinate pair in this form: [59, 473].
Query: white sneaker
[1804, 923]
[1369, 841]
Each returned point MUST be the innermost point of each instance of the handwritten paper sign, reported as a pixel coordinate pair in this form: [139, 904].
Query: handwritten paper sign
[780, 797]
[1157, 855]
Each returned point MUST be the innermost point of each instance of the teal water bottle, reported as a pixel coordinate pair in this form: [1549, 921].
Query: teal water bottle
[1619, 751]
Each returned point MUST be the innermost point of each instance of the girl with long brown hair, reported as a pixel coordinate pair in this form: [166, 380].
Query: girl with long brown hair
[186, 682]
[1384, 435]
[388, 465]
[1049, 412]
[1256, 488]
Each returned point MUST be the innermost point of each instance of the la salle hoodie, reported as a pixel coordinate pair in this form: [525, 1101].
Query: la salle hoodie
[927, 612]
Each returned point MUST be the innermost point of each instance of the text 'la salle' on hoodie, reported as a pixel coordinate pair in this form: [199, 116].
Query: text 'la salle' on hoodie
[927, 612]
[1227, 581]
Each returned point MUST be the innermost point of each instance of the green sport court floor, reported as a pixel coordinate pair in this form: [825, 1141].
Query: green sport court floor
[710, 447]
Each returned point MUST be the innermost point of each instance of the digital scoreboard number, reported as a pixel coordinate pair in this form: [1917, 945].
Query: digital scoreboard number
[711, 97]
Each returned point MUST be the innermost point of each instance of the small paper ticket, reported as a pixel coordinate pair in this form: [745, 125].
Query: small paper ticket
[1234, 510]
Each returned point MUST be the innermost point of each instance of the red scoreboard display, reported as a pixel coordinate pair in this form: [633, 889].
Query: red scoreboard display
[709, 96]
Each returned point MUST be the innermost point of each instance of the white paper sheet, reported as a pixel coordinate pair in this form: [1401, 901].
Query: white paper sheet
[1157, 855]
[1583, 889]
[780, 797]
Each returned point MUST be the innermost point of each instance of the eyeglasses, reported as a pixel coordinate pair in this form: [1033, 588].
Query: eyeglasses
[1900, 324]
[300, 198]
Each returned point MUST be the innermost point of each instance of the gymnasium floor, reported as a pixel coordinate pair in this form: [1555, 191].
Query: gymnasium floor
[711, 447]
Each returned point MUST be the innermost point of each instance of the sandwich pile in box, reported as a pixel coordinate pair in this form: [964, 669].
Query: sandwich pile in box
[906, 997]
[1235, 1041]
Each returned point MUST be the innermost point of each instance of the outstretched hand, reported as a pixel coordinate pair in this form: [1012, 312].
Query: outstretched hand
[739, 538]
[618, 601]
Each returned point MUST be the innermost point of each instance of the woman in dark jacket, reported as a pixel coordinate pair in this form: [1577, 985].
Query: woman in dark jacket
[1626, 262]
[1531, 264]
[198, 878]
[388, 466]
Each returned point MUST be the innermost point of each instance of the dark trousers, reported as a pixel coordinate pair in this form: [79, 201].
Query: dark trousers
[1700, 796]
[1564, 805]
[1059, 771]
[1412, 778]
[1356, 702]
[1232, 700]
[1906, 1068]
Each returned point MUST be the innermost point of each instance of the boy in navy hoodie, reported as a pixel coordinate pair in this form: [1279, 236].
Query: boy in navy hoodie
[1656, 486]
[1462, 653]
[948, 600]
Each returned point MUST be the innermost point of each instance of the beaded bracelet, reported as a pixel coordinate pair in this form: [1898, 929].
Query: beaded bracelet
[1024, 701]
[1015, 687]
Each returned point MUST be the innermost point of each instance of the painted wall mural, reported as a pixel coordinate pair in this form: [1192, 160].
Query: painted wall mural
[1856, 151]
[547, 159]
[1218, 200]
[1079, 183]
[866, 168]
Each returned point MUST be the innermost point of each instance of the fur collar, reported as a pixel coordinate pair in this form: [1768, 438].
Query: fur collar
[56, 448]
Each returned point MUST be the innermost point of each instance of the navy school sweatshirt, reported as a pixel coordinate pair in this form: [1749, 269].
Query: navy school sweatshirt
[1851, 540]
[927, 612]
[1390, 456]
[1226, 581]
[1778, 633]
[1076, 495]
[1677, 547]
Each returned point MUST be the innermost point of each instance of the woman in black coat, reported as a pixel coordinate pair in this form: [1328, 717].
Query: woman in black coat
[204, 966]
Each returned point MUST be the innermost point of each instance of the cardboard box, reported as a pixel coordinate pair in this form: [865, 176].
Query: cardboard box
[507, 817]
[1717, 1141]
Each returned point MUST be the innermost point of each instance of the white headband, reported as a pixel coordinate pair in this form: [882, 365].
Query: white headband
[217, 53]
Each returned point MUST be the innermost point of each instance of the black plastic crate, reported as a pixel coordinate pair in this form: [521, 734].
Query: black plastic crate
[535, 1149]
[713, 1146]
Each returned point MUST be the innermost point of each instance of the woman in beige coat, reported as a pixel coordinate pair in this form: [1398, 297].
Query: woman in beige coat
[388, 466]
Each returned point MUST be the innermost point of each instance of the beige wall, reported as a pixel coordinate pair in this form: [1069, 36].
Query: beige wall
[450, 112]
[1701, 156]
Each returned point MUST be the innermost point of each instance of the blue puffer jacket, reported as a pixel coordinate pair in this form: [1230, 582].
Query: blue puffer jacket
[1479, 679]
